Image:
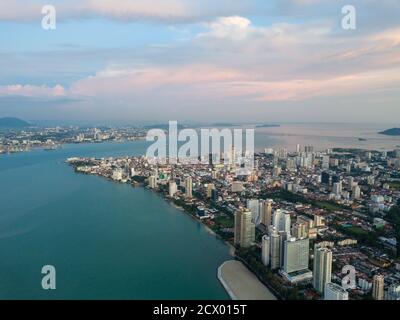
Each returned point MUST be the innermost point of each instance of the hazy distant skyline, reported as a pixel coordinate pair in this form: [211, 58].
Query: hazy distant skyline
[205, 61]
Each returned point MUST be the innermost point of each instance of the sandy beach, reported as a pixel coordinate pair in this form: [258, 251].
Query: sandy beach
[241, 283]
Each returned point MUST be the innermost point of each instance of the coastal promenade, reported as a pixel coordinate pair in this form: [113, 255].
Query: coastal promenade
[241, 283]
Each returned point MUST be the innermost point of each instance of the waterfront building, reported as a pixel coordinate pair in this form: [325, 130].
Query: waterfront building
[117, 174]
[378, 287]
[265, 250]
[244, 228]
[322, 272]
[152, 182]
[334, 291]
[172, 188]
[189, 187]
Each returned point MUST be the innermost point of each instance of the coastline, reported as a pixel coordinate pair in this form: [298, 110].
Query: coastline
[231, 247]
[254, 289]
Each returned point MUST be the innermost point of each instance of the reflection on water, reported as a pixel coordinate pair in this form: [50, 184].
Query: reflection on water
[323, 136]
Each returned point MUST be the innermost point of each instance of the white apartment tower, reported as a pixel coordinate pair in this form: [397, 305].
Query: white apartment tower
[322, 268]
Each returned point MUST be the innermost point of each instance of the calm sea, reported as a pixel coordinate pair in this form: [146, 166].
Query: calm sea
[106, 240]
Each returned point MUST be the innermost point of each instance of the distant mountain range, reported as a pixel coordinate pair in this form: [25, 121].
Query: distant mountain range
[391, 132]
[13, 123]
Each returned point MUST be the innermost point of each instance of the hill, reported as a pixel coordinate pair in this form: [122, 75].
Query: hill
[13, 123]
[391, 132]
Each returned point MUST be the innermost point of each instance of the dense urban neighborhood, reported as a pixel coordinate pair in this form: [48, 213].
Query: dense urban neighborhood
[13, 140]
[309, 224]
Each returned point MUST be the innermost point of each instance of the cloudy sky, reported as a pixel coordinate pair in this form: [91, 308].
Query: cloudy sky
[208, 60]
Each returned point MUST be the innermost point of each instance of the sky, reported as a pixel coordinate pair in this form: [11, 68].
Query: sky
[127, 61]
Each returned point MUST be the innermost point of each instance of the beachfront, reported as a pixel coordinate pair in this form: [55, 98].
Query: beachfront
[241, 283]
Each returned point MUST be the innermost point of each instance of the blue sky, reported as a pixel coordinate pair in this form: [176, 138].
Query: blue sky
[221, 60]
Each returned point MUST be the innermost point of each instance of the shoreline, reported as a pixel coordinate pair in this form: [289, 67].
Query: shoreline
[168, 200]
[264, 292]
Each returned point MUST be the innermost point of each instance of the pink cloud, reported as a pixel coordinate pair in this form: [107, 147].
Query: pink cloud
[32, 91]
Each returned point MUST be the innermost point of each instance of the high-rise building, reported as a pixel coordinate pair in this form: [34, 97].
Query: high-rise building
[210, 188]
[296, 255]
[356, 192]
[265, 250]
[393, 292]
[309, 149]
[283, 236]
[325, 162]
[189, 187]
[214, 195]
[275, 250]
[335, 292]
[325, 177]
[172, 188]
[319, 221]
[244, 228]
[153, 182]
[299, 231]
[335, 178]
[281, 221]
[291, 164]
[350, 181]
[322, 267]
[266, 212]
[378, 287]
[254, 206]
[337, 188]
